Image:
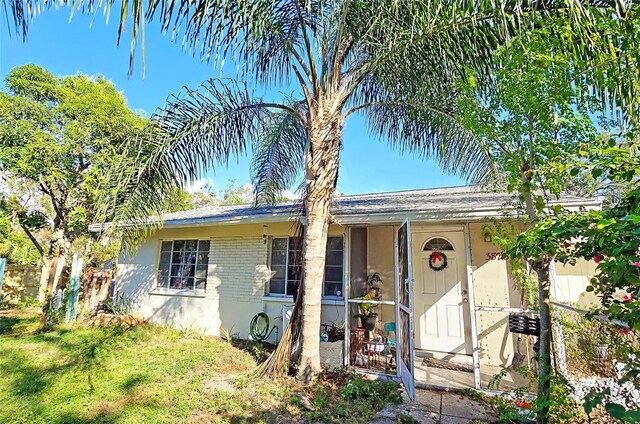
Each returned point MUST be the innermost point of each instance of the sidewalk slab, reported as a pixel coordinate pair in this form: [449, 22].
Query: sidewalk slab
[434, 406]
[447, 419]
[425, 417]
[429, 400]
[460, 406]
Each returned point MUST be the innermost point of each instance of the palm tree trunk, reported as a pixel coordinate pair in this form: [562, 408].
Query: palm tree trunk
[321, 168]
[314, 259]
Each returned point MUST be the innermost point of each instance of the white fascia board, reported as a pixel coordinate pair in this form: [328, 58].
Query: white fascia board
[458, 216]
[477, 214]
[236, 220]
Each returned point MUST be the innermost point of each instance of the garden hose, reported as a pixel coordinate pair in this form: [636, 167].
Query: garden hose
[259, 328]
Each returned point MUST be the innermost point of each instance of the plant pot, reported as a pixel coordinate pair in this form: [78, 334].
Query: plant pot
[368, 323]
[336, 334]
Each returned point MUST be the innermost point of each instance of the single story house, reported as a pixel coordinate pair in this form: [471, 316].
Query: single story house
[444, 282]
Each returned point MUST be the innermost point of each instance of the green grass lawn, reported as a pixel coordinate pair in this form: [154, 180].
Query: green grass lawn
[77, 374]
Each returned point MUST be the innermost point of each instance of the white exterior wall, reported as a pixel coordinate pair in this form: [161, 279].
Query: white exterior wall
[571, 283]
[237, 280]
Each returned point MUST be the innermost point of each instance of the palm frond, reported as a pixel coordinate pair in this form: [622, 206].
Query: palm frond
[425, 124]
[278, 156]
[196, 131]
[259, 34]
[419, 43]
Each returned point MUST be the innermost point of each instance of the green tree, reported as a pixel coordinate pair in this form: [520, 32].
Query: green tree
[207, 196]
[536, 116]
[610, 237]
[59, 136]
[14, 243]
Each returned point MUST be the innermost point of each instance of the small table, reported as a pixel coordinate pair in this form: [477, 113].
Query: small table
[362, 342]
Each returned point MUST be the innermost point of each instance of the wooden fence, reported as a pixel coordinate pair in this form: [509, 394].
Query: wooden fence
[95, 288]
[22, 281]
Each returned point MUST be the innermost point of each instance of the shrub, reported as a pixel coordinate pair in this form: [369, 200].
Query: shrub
[28, 302]
[375, 392]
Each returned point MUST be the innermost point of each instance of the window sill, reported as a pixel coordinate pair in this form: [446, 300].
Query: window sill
[179, 293]
[289, 299]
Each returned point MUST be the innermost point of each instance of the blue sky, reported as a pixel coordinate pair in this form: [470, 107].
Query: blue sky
[367, 164]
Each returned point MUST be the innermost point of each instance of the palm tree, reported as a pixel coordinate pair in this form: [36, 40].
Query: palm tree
[333, 53]
[395, 63]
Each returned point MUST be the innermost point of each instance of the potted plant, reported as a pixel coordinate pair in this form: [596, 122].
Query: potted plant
[366, 313]
[373, 285]
[601, 345]
[336, 332]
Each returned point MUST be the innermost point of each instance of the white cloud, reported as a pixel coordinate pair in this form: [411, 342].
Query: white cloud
[292, 195]
[199, 185]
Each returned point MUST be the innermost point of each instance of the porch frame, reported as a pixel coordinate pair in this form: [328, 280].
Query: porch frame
[475, 352]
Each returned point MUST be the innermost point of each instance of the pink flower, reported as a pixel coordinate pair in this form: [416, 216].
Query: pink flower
[637, 264]
[627, 298]
[567, 244]
[598, 257]
[624, 331]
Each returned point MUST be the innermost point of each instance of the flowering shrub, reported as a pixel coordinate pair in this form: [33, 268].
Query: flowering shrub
[611, 238]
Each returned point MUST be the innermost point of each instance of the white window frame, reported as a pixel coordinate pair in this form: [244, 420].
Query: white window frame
[286, 267]
[170, 291]
[269, 294]
[332, 297]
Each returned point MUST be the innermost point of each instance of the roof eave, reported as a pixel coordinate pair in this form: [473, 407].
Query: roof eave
[475, 214]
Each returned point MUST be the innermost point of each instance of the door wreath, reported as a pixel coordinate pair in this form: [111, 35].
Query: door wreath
[436, 257]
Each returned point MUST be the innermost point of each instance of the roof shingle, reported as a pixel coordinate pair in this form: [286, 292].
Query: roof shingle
[449, 200]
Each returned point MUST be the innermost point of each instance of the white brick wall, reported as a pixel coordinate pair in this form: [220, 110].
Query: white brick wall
[237, 269]
[236, 281]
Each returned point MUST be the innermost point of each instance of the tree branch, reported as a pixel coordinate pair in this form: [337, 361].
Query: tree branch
[303, 65]
[54, 202]
[307, 95]
[32, 238]
[336, 57]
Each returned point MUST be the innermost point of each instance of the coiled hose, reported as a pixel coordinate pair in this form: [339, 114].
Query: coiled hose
[259, 327]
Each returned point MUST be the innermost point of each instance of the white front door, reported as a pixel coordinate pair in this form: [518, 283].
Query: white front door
[440, 295]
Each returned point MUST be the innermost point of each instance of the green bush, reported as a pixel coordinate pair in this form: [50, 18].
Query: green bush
[520, 404]
[28, 302]
[375, 392]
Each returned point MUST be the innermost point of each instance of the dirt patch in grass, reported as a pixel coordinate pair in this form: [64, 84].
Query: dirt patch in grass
[139, 397]
[221, 383]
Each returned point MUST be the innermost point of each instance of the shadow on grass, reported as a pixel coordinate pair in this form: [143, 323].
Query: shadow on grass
[30, 364]
[8, 324]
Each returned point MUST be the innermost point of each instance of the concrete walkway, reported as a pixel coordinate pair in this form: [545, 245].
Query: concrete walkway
[432, 406]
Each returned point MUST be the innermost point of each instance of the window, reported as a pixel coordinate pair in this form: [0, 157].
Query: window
[183, 264]
[438, 243]
[286, 266]
[333, 267]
